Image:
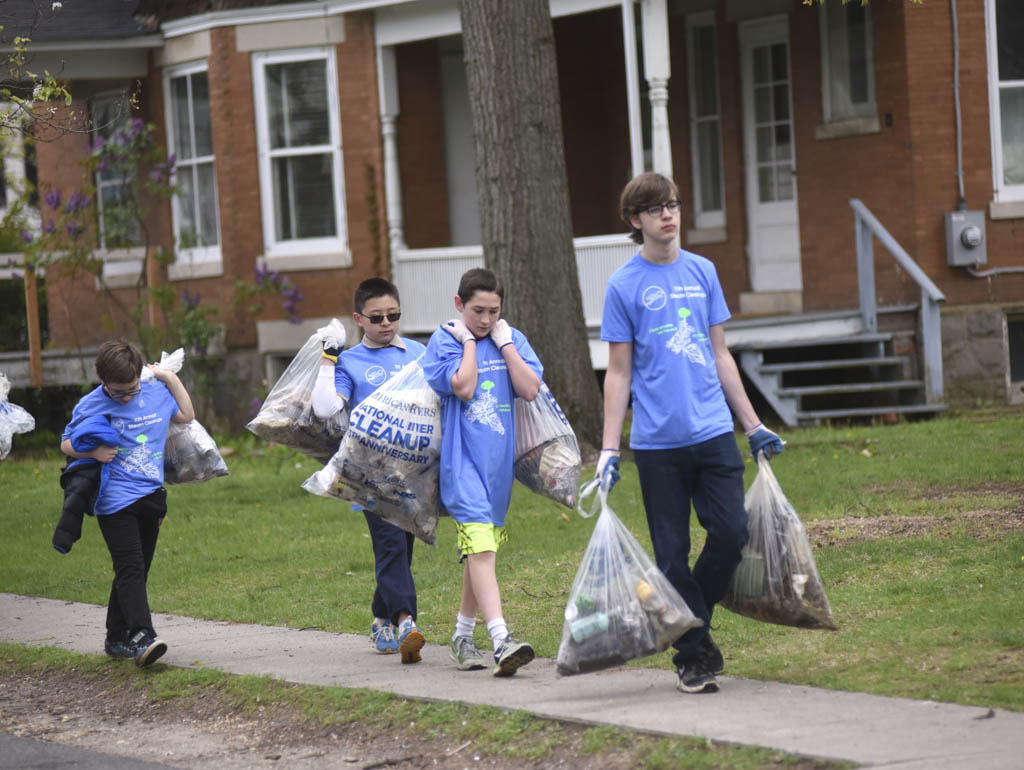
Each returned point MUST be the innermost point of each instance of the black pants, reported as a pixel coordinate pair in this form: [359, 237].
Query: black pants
[131, 536]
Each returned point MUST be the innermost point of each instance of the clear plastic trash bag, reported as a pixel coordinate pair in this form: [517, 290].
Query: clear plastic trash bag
[548, 459]
[287, 417]
[777, 581]
[190, 453]
[13, 418]
[389, 460]
[621, 606]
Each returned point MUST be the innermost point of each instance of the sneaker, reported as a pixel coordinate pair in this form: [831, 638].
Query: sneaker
[410, 641]
[466, 655]
[119, 648]
[511, 655]
[696, 676]
[712, 655]
[148, 648]
[383, 639]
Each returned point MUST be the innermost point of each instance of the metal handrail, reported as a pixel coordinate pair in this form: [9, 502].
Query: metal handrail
[867, 227]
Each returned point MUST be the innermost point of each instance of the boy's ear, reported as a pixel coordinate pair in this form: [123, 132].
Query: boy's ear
[458, 304]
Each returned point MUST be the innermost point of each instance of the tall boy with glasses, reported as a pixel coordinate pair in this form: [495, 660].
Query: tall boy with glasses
[131, 502]
[663, 316]
[351, 376]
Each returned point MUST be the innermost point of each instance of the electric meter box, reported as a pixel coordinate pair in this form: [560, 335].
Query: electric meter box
[965, 238]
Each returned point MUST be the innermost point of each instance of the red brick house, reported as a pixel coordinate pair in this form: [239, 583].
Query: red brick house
[331, 140]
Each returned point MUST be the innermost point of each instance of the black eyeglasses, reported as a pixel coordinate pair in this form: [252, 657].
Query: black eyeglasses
[379, 319]
[657, 208]
[117, 394]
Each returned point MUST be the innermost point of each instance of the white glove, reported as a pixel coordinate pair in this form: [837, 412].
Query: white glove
[607, 468]
[501, 333]
[458, 330]
[332, 337]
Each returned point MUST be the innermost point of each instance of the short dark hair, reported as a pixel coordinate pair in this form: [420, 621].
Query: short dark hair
[647, 189]
[479, 279]
[372, 288]
[118, 361]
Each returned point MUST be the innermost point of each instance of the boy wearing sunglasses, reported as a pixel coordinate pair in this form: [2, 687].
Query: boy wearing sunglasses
[350, 376]
[131, 502]
[478, 364]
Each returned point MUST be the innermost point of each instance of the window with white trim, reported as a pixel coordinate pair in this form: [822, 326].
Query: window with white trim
[1005, 25]
[118, 227]
[190, 142]
[847, 62]
[705, 122]
[299, 135]
[18, 178]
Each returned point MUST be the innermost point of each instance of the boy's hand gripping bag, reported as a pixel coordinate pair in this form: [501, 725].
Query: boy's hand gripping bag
[389, 459]
[190, 453]
[548, 459]
[620, 606]
[287, 417]
[777, 580]
[13, 418]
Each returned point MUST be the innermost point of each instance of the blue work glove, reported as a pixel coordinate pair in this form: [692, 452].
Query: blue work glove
[763, 440]
[608, 469]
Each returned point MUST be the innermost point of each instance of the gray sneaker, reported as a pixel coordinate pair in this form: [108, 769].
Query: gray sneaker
[466, 655]
[511, 655]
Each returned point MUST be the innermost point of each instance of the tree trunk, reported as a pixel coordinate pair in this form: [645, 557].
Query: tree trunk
[523, 195]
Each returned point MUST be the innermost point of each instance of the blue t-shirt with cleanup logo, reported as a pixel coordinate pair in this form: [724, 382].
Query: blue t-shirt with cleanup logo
[361, 370]
[478, 448]
[667, 311]
[141, 424]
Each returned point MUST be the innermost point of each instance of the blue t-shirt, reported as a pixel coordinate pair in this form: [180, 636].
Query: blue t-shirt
[141, 425]
[667, 312]
[361, 370]
[478, 436]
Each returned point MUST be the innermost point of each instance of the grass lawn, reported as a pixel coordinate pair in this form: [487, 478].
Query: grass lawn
[923, 561]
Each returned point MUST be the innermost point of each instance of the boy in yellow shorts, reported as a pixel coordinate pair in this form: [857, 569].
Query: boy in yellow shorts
[478, 364]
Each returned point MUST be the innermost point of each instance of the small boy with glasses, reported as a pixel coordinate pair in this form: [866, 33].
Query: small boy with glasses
[350, 376]
[663, 316]
[131, 502]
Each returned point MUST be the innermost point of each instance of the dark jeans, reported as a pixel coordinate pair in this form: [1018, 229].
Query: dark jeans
[131, 535]
[392, 557]
[710, 475]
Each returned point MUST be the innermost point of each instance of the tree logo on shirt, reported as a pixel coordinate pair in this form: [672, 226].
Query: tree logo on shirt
[654, 298]
[483, 408]
[140, 460]
[682, 340]
[375, 375]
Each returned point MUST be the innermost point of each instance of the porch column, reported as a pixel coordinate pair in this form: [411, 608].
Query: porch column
[636, 140]
[657, 69]
[387, 89]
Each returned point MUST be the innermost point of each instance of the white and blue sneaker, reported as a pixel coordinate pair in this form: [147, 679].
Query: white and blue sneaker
[410, 641]
[511, 655]
[382, 637]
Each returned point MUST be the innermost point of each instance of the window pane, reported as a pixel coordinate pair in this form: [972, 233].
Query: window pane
[783, 150]
[780, 100]
[710, 177]
[762, 65]
[201, 114]
[187, 228]
[785, 180]
[120, 228]
[1009, 34]
[779, 68]
[705, 99]
[207, 181]
[763, 104]
[1011, 112]
[297, 104]
[764, 144]
[304, 197]
[856, 42]
[766, 184]
[180, 111]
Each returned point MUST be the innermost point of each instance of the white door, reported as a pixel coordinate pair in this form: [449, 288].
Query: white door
[773, 230]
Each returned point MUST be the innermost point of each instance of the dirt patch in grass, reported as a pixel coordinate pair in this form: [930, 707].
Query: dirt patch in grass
[987, 525]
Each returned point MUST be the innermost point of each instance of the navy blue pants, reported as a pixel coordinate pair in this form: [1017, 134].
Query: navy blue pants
[392, 557]
[710, 476]
[131, 536]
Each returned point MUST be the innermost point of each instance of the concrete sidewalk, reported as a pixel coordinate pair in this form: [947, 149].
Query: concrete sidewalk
[879, 732]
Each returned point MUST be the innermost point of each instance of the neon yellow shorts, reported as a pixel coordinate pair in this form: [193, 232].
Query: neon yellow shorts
[477, 537]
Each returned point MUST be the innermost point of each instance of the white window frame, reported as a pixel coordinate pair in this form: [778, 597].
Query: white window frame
[1003, 193]
[703, 220]
[303, 253]
[868, 109]
[122, 266]
[197, 261]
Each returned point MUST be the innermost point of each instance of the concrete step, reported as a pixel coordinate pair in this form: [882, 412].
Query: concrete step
[852, 387]
[838, 363]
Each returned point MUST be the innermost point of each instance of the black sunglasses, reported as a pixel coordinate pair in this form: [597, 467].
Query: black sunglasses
[117, 394]
[379, 319]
